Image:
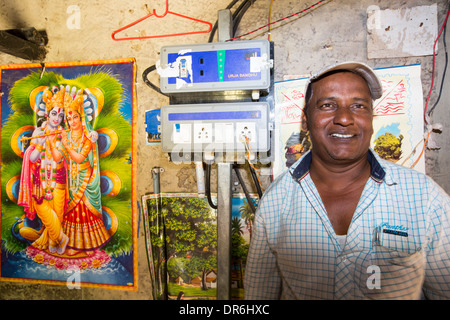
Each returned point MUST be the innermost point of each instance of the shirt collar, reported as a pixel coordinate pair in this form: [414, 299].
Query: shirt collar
[301, 168]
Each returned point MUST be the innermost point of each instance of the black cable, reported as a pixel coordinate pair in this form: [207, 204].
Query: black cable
[147, 82]
[239, 13]
[208, 187]
[444, 72]
[231, 4]
[238, 10]
[213, 32]
[244, 188]
[214, 28]
[255, 180]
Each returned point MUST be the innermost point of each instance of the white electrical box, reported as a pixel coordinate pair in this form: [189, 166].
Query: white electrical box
[219, 66]
[223, 127]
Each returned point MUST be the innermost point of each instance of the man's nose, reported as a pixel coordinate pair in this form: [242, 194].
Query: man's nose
[343, 116]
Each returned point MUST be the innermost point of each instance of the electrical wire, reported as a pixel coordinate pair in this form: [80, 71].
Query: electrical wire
[413, 152]
[423, 150]
[244, 188]
[239, 13]
[443, 28]
[252, 168]
[208, 186]
[255, 180]
[269, 18]
[444, 71]
[214, 28]
[434, 65]
[147, 82]
[279, 20]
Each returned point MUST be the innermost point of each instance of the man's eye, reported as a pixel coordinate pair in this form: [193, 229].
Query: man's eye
[327, 106]
[360, 107]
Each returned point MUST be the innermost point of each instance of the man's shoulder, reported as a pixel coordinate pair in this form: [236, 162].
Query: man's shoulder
[399, 171]
[410, 178]
[282, 181]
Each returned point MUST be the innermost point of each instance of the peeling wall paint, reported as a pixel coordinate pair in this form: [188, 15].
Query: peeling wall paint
[404, 32]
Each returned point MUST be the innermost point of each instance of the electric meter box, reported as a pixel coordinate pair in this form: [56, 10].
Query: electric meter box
[224, 127]
[218, 66]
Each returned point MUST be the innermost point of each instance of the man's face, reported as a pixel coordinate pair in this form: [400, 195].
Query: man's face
[339, 118]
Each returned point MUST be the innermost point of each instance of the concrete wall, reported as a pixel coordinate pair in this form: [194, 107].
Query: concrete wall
[335, 31]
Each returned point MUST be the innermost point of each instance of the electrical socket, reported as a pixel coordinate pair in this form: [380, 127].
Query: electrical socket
[246, 129]
[203, 133]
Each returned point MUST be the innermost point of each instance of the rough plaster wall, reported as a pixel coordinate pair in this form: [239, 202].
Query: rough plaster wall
[333, 32]
[438, 161]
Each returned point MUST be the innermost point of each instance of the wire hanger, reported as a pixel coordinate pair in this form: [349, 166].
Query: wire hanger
[153, 13]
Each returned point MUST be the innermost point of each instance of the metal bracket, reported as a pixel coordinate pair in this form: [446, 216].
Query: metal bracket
[28, 44]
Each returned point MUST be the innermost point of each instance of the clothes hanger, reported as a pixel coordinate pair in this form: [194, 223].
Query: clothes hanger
[153, 13]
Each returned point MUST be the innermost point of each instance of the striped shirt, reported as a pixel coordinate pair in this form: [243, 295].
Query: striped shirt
[397, 245]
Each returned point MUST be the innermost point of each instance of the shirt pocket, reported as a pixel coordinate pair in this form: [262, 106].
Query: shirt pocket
[393, 274]
[391, 259]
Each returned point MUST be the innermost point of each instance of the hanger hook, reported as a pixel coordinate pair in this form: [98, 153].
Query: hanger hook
[165, 13]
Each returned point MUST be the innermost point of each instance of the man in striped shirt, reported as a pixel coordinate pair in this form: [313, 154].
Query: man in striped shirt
[343, 223]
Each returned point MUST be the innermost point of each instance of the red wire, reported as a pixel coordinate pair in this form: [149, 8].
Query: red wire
[285, 18]
[434, 63]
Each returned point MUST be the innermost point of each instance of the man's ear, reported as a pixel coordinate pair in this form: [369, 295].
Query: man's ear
[304, 125]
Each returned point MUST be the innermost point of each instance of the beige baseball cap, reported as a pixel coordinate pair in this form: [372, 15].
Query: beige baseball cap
[374, 83]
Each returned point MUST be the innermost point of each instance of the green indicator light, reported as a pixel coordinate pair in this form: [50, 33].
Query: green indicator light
[221, 63]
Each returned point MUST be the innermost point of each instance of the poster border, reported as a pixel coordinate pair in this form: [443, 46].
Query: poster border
[134, 217]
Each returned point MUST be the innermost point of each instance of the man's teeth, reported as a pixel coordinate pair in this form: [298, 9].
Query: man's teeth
[339, 135]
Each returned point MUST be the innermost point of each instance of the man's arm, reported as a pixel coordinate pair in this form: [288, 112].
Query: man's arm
[437, 271]
[262, 279]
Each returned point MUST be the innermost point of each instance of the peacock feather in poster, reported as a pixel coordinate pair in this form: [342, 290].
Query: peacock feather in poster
[68, 204]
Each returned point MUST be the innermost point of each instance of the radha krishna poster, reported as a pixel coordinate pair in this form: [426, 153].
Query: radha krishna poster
[68, 203]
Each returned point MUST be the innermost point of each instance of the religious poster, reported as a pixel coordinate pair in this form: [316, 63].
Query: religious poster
[68, 203]
[181, 236]
[398, 119]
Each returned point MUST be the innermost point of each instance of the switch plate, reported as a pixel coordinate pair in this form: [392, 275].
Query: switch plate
[220, 66]
[216, 127]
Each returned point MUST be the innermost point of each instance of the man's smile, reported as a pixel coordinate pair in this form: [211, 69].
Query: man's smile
[342, 135]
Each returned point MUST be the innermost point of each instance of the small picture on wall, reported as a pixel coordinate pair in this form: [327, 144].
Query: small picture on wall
[153, 126]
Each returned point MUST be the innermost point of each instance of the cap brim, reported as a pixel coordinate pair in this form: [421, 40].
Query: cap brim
[374, 83]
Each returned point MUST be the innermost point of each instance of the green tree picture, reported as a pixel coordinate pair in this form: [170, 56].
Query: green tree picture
[184, 240]
[181, 232]
[239, 249]
[389, 147]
